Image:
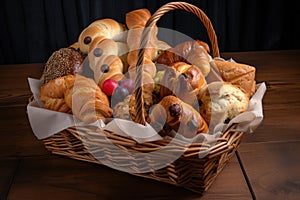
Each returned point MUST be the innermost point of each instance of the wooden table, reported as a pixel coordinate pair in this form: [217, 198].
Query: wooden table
[267, 165]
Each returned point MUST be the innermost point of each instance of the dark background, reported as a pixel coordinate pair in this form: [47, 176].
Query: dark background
[32, 29]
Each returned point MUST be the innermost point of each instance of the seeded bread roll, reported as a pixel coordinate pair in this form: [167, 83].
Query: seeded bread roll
[222, 101]
[62, 62]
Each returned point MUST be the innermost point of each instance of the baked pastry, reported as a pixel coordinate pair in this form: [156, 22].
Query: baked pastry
[104, 60]
[62, 62]
[98, 40]
[106, 28]
[193, 74]
[240, 75]
[53, 93]
[108, 67]
[184, 81]
[136, 21]
[80, 94]
[193, 52]
[221, 102]
[173, 114]
[74, 46]
[121, 109]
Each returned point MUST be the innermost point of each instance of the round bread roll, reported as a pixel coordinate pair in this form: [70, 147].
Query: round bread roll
[222, 101]
[63, 62]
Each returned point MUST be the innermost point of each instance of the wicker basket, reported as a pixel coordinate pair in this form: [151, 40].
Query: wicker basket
[190, 170]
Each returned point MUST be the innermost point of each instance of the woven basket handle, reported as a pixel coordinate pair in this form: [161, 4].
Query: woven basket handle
[140, 118]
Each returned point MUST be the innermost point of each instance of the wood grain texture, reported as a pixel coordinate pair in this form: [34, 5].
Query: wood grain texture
[8, 169]
[14, 89]
[55, 177]
[230, 184]
[18, 139]
[273, 169]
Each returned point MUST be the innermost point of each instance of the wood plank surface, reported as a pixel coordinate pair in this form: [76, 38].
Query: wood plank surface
[8, 169]
[14, 89]
[230, 184]
[55, 177]
[14, 96]
[273, 169]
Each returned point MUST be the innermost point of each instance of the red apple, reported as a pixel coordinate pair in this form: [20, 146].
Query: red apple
[109, 86]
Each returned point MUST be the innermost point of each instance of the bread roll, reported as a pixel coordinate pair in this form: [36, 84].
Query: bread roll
[221, 102]
[184, 81]
[98, 41]
[136, 21]
[192, 73]
[107, 28]
[62, 62]
[104, 60]
[240, 75]
[173, 114]
[193, 52]
[108, 67]
[74, 46]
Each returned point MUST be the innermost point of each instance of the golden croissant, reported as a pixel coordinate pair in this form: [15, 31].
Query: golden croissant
[78, 94]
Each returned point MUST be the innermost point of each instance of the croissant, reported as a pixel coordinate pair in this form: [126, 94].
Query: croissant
[136, 21]
[172, 113]
[184, 81]
[53, 93]
[193, 52]
[54, 98]
[80, 94]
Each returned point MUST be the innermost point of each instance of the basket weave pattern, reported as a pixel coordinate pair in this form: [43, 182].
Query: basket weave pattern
[190, 170]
